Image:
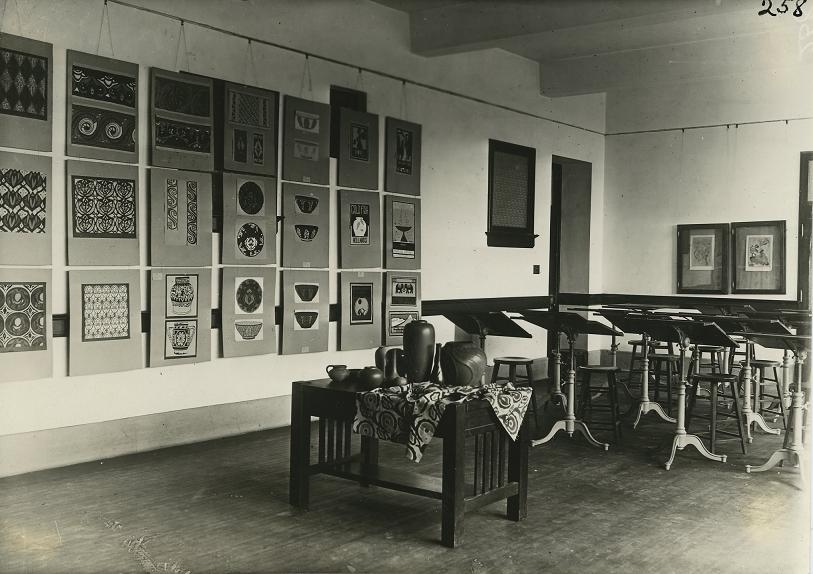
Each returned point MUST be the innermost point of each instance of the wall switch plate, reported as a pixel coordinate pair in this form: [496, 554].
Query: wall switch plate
[537, 269]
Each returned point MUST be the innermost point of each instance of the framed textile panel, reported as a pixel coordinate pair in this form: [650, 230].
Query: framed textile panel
[402, 166]
[702, 258]
[105, 326]
[360, 296]
[358, 152]
[759, 256]
[359, 229]
[26, 346]
[305, 311]
[180, 316]
[305, 225]
[249, 219]
[102, 108]
[248, 311]
[26, 93]
[180, 218]
[26, 207]
[511, 192]
[402, 303]
[249, 129]
[102, 205]
[306, 141]
[181, 121]
[402, 232]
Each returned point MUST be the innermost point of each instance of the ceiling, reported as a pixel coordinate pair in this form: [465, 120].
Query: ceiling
[588, 46]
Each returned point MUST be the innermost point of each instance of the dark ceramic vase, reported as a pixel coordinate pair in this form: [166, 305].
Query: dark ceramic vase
[462, 364]
[371, 377]
[419, 349]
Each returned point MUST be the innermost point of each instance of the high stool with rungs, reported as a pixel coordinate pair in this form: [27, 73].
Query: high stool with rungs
[714, 362]
[717, 386]
[514, 378]
[588, 393]
[763, 382]
[637, 356]
[740, 351]
[668, 365]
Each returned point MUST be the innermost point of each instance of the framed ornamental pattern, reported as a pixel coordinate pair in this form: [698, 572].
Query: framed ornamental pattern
[360, 323]
[181, 121]
[249, 219]
[402, 232]
[702, 258]
[26, 350]
[102, 205]
[180, 218]
[306, 141]
[26, 205]
[105, 330]
[26, 93]
[305, 225]
[248, 310]
[180, 316]
[402, 166]
[759, 256]
[102, 108]
[402, 303]
[359, 229]
[358, 152]
[306, 311]
[249, 142]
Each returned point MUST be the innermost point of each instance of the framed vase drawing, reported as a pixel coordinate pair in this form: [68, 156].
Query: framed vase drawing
[305, 226]
[402, 303]
[759, 256]
[306, 141]
[402, 232]
[102, 101]
[358, 150]
[249, 234]
[360, 324]
[26, 208]
[248, 311]
[26, 114]
[105, 330]
[359, 229]
[402, 166]
[702, 258]
[26, 331]
[249, 129]
[180, 316]
[305, 311]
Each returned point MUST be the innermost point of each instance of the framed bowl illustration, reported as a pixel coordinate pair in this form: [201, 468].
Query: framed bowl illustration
[306, 203]
[306, 232]
[306, 319]
[306, 291]
[248, 330]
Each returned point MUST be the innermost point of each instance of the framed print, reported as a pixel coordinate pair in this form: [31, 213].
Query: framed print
[26, 345]
[402, 169]
[26, 208]
[248, 311]
[702, 258]
[248, 143]
[102, 120]
[511, 193]
[26, 93]
[249, 234]
[402, 232]
[359, 229]
[759, 256]
[360, 325]
[306, 141]
[305, 226]
[402, 303]
[358, 150]
[305, 311]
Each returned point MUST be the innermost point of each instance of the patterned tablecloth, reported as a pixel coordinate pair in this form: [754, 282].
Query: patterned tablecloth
[410, 416]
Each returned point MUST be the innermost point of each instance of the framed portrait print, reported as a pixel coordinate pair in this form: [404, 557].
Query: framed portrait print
[403, 157]
[702, 258]
[358, 150]
[759, 256]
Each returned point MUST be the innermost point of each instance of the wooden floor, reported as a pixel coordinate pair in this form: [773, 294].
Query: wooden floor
[221, 506]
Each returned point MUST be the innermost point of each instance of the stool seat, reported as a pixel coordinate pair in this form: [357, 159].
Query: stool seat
[600, 368]
[715, 377]
[763, 363]
[655, 344]
[513, 360]
[710, 348]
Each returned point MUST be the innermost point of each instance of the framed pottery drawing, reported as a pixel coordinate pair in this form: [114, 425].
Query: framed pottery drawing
[180, 316]
[305, 311]
[359, 229]
[248, 311]
[26, 349]
[402, 303]
[102, 99]
[360, 324]
[306, 141]
[305, 225]
[247, 140]
[26, 207]
[180, 218]
[702, 258]
[402, 166]
[402, 232]
[102, 205]
[249, 234]
[26, 93]
[181, 121]
[105, 330]
[759, 256]
[358, 152]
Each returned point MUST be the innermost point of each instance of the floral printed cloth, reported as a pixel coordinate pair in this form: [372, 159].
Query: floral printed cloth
[411, 416]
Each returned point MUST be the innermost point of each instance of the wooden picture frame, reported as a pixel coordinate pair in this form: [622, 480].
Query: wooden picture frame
[358, 150]
[402, 165]
[759, 264]
[509, 225]
[702, 258]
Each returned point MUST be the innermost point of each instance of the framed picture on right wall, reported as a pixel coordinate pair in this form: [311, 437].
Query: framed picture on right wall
[759, 256]
[702, 258]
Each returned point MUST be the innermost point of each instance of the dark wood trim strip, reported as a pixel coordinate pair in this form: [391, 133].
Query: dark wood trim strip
[675, 301]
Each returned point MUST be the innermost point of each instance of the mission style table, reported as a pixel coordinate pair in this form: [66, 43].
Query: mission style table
[500, 464]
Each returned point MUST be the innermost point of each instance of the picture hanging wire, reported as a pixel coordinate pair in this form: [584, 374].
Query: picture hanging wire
[3, 17]
[359, 81]
[306, 74]
[404, 101]
[105, 15]
[182, 38]
[251, 68]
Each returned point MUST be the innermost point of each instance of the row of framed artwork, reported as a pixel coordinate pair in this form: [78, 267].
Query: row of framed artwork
[757, 263]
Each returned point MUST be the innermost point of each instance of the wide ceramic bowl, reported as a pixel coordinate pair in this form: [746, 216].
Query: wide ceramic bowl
[248, 329]
[306, 319]
[306, 232]
[306, 291]
[306, 203]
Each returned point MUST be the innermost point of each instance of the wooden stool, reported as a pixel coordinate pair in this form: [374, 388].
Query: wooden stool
[739, 352]
[715, 358]
[611, 390]
[513, 377]
[637, 356]
[717, 384]
[760, 366]
[670, 366]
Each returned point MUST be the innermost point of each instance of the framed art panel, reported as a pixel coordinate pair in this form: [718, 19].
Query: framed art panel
[402, 169]
[359, 229]
[248, 311]
[181, 121]
[180, 316]
[306, 141]
[402, 232]
[180, 218]
[105, 326]
[402, 303]
[26, 208]
[759, 256]
[26, 345]
[305, 225]
[702, 258]
[358, 150]
[305, 311]
[102, 108]
[102, 206]
[249, 129]
[511, 192]
[360, 296]
[249, 234]
[26, 111]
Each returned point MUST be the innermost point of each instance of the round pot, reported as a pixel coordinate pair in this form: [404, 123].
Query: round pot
[462, 364]
[419, 348]
[371, 377]
[337, 373]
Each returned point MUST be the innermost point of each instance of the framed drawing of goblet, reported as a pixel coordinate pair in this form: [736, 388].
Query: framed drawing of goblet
[702, 258]
[759, 256]
[402, 232]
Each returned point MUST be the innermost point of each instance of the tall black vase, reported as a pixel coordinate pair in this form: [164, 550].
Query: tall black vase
[419, 349]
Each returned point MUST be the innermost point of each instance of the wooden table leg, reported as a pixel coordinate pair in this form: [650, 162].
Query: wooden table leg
[518, 472]
[454, 466]
[299, 487]
[369, 453]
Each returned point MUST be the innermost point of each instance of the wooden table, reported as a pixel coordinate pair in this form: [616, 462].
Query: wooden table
[500, 464]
